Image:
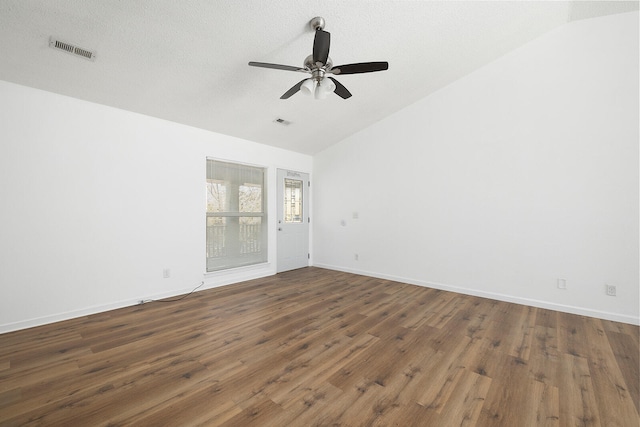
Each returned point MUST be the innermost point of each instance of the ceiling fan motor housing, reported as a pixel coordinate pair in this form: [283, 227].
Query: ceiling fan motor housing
[309, 64]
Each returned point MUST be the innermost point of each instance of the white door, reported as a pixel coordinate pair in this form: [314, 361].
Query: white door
[293, 220]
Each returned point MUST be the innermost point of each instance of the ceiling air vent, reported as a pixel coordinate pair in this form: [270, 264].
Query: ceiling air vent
[282, 121]
[72, 49]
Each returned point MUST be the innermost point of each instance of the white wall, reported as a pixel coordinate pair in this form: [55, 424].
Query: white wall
[521, 173]
[97, 201]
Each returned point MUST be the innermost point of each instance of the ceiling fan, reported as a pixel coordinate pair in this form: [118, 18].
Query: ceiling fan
[319, 65]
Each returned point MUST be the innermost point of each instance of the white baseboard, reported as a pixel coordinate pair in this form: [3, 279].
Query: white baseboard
[250, 275]
[59, 317]
[211, 280]
[496, 296]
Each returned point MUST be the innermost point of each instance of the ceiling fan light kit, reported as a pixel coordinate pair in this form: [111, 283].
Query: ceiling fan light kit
[318, 64]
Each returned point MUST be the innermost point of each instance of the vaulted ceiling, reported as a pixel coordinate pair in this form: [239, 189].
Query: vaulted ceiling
[186, 61]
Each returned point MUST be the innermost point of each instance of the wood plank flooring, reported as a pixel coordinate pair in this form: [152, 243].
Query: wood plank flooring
[315, 347]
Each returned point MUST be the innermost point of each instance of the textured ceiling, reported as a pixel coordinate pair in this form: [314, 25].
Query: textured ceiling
[186, 61]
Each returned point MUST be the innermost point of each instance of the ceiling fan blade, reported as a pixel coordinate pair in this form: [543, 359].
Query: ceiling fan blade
[362, 67]
[293, 90]
[321, 44]
[277, 66]
[341, 91]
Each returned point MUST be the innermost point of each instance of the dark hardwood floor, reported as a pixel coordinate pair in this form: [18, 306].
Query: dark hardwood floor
[318, 347]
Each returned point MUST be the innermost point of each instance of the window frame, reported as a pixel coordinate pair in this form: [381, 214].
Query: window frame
[236, 259]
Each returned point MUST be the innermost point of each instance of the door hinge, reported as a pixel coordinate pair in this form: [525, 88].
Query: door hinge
[308, 183]
[308, 219]
[308, 256]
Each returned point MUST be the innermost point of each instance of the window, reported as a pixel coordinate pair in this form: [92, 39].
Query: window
[236, 215]
[292, 200]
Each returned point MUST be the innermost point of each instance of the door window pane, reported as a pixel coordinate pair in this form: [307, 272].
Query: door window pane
[292, 200]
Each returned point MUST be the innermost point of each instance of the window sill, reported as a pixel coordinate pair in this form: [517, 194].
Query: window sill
[238, 270]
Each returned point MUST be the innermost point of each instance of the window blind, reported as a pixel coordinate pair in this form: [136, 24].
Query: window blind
[236, 215]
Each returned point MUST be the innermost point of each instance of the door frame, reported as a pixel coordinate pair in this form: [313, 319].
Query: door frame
[285, 230]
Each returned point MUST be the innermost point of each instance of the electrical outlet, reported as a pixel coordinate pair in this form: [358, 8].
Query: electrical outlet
[562, 283]
[611, 290]
[166, 273]
[355, 257]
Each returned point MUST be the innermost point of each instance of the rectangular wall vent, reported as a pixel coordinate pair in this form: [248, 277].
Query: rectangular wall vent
[72, 49]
